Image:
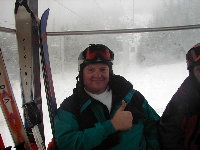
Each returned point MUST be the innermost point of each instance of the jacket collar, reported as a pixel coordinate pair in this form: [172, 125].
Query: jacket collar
[190, 87]
[120, 88]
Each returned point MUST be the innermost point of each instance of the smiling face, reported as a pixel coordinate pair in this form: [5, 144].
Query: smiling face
[196, 72]
[96, 77]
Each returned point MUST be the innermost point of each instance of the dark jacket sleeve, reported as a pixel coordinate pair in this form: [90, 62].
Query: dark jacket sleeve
[170, 124]
[151, 120]
[151, 127]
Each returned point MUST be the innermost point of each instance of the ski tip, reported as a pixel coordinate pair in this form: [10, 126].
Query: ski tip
[46, 13]
[44, 18]
[21, 3]
[16, 6]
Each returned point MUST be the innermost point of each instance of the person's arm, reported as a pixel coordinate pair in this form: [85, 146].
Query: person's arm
[171, 134]
[69, 136]
[151, 127]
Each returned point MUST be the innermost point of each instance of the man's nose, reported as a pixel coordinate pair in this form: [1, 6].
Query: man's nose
[97, 72]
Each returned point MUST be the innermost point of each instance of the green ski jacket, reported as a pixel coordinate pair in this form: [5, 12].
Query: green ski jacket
[83, 123]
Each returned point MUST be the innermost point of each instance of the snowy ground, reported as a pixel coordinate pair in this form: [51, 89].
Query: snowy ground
[157, 84]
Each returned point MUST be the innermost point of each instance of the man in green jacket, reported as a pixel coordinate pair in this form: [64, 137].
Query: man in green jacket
[104, 112]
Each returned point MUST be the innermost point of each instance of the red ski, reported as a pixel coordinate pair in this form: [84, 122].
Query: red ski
[2, 146]
[10, 109]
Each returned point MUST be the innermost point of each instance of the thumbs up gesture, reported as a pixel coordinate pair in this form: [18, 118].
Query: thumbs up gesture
[122, 120]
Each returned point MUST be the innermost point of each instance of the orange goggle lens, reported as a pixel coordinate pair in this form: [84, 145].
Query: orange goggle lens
[93, 54]
[195, 57]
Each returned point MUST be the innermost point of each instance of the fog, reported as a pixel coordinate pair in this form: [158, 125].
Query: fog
[153, 62]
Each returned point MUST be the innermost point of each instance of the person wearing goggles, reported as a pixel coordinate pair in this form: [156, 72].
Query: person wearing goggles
[104, 112]
[180, 122]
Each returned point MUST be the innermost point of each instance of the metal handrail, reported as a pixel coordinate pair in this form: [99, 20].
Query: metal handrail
[115, 31]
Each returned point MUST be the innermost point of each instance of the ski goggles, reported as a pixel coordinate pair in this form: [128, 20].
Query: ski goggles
[102, 54]
[195, 53]
[195, 57]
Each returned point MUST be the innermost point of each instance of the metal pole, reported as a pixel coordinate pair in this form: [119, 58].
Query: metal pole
[115, 31]
[133, 12]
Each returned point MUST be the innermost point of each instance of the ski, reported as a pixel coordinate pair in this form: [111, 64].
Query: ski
[2, 146]
[10, 110]
[36, 70]
[48, 82]
[23, 18]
